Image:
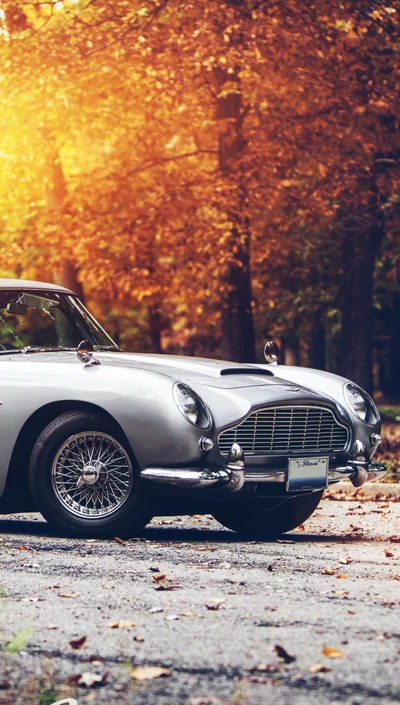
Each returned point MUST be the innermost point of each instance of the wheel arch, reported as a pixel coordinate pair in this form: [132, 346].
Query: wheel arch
[17, 496]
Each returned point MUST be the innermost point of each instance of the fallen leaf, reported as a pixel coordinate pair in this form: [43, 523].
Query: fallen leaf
[159, 578]
[301, 527]
[395, 577]
[333, 653]
[188, 614]
[329, 571]
[168, 587]
[87, 679]
[118, 540]
[389, 554]
[284, 541]
[215, 603]
[345, 561]
[30, 599]
[319, 668]
[172, 617]
[342, 576]
[22, 548]
[121, 624]
[146, 673]
[138, 638]
[266, 668]
[394, 539]
[78, 643]
[154, 610]
[283, 654]
[69, 594]
[53, 626]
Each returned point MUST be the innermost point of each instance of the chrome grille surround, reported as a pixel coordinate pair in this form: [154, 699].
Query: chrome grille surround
[287, 430]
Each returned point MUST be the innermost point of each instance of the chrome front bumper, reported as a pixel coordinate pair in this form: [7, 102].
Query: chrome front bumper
[233, 474]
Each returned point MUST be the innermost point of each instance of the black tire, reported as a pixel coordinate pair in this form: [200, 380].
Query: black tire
[268, 522]
[84, 479]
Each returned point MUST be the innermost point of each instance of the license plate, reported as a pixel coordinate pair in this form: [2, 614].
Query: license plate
[307, 474]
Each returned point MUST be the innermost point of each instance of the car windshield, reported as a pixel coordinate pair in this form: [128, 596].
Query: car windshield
[31, 319]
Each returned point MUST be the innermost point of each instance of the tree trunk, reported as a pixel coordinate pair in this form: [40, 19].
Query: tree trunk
[392, 376]
[316, 355]
[360, 248]
[55, 192]
[155, 328]
[237, 316]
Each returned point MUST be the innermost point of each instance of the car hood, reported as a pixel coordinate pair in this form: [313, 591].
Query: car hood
[205, 371]
[220, 374]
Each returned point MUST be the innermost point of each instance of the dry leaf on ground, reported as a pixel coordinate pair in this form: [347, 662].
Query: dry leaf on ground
[283, 654]
[265, 668]
[78, 643]
[319, 668]
[138, 638]
[146, 673]
[69, 594]
[389, 554]
[333, 653]
[121, 624]
[342, 576]
[159, 578]
[329, 571]
[215, 603]
[87, 679]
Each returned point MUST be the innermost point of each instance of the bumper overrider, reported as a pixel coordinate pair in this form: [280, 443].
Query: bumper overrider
[358, 469]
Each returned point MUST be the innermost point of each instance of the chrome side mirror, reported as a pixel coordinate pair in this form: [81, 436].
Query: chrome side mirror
[271, 352]
[85, 352]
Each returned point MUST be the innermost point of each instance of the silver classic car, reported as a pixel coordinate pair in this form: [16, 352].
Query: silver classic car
[99, 440]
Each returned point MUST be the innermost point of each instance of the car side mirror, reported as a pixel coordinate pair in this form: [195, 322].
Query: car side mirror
[271, 352]
[85, 352]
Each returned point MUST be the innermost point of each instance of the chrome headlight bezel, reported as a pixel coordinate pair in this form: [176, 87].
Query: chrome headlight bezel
[361, 404]
[191, 406]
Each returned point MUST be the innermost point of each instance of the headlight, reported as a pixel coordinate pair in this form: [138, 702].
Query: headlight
[191, 406]
[361, 404]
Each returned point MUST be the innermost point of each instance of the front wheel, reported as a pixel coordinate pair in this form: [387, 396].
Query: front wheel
[84, 480]
[268, 522]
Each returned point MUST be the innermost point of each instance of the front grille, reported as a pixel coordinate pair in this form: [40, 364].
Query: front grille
[286, 430]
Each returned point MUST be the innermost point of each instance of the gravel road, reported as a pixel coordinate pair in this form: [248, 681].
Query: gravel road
[311, 618]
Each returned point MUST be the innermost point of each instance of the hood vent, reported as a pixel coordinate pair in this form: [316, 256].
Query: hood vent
[246, 371]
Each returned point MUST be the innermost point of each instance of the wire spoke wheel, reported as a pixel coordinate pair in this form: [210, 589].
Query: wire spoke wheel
[92, 474]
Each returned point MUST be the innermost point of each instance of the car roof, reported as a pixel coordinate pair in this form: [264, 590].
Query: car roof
[29, 284]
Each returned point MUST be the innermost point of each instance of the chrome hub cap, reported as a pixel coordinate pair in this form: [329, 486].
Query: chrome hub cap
[92, 474]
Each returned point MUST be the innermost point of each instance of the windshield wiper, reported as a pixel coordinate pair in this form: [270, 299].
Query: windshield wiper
[107, 347]
[43, 348]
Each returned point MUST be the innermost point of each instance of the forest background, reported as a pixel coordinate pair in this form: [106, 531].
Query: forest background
[209, 175]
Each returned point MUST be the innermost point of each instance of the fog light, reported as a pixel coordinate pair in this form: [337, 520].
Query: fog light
[375, 439]
[206, 443]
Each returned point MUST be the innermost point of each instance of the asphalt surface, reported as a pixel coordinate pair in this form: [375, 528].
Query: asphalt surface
[327, 594]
